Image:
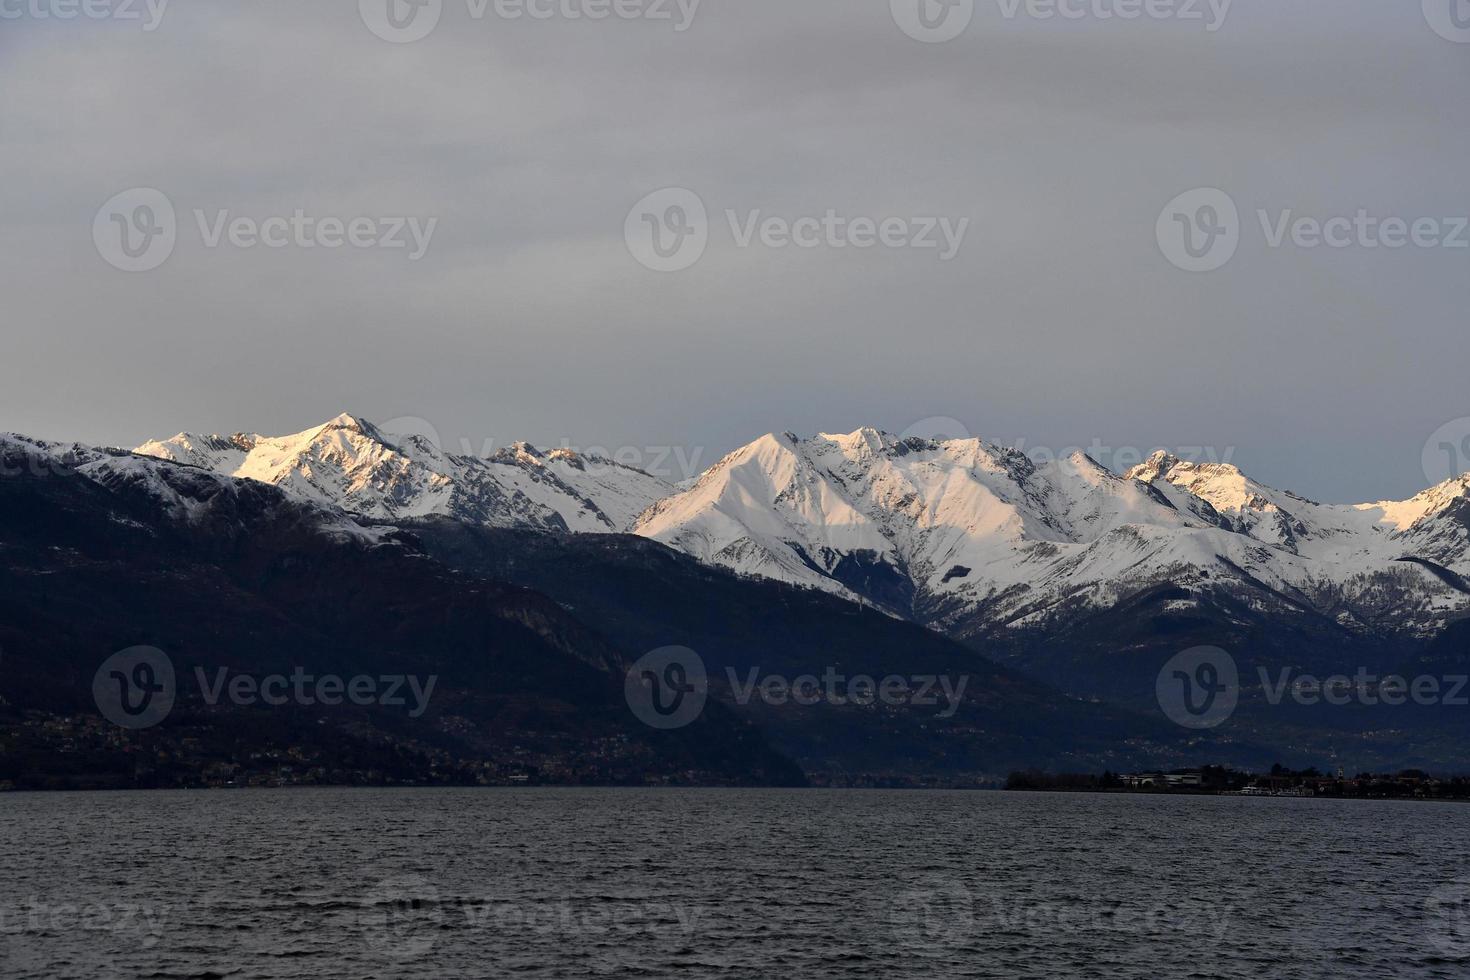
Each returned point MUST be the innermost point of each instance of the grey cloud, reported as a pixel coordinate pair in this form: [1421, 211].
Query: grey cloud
[1058, 322]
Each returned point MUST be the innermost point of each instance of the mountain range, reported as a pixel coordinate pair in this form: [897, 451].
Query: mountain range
[959, 535]
[1058, 588]
[529, 633]
[102, 551]
[351, 464]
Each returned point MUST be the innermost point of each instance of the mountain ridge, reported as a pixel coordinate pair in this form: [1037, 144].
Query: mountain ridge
[352, 463]
[959, 534]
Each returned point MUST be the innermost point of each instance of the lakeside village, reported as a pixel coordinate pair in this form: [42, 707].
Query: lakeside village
[40, 751]
[43, 751]
[1410, 784]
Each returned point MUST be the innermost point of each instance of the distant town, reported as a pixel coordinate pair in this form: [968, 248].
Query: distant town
[44, 751]
[1409, 784]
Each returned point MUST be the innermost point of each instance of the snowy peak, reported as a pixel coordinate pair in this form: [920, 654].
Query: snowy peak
[1226, 488]
[194, 497]
[955, 517]
[963, 525]
[202, 451]
[1275, 517]
[1432, 503]
[351, 463]
[1155, 467]
[942, 530]
[860, 447]
[771, 509]
[1335, 533]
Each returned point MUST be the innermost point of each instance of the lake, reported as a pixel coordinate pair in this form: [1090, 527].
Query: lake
[728, 883]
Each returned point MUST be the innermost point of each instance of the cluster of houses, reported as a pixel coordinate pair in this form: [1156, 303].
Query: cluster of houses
[1408, 784]
[1180, 779]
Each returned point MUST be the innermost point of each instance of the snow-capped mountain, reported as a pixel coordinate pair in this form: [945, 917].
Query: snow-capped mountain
[958, 534]
[960, 531]
[186, 497]
[1071, 575]
[351, 464]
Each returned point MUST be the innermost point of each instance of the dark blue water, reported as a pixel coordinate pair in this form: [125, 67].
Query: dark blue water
[705, 884]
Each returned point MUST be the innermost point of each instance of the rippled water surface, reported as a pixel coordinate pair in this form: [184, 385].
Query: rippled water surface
[702, 884]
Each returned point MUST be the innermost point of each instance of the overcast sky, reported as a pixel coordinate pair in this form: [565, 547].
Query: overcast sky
[1059, 321]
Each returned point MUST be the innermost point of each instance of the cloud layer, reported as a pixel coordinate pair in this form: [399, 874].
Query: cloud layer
[1058, 322]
